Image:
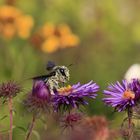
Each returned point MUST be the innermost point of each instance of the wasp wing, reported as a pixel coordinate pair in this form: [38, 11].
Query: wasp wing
[44, 77]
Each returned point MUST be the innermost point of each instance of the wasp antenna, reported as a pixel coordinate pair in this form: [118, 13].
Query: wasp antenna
[70, 65]
[50, 65]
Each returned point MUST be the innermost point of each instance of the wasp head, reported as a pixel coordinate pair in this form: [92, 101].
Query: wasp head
[62, 73]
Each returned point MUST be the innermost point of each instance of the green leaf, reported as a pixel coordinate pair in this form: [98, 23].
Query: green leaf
[22, 128]
[44, 123]
[4, 101]
[14, 112]
[2, 118]
[4, 131]
[42, 120]
[36, 134]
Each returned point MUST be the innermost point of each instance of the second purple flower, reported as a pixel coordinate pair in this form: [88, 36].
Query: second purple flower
[122, 95]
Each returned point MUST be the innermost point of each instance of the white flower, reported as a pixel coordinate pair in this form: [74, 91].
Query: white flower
[133, 72]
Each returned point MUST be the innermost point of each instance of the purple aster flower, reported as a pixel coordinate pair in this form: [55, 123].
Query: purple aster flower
[72, 96]
[135, 86]
[39, 97]
[121, 96]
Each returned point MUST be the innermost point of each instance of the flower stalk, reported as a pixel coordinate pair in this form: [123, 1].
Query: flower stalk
[31, 128]
[37, 102]
[130, 113]
[10, 103]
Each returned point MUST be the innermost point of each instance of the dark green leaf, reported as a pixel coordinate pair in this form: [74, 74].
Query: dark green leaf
[36, 134]
[22, 128]
[2, 118]
[4, 131]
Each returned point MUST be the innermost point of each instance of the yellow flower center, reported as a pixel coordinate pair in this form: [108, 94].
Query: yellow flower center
[65, 90]
[128, 94]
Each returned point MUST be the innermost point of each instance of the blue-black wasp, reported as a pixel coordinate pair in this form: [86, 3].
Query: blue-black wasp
[56, 75]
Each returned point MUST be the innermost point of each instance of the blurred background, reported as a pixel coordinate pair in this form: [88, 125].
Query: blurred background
[100, 38]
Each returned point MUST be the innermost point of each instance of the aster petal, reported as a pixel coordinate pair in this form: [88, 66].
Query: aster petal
[125, 83]
[76, 85]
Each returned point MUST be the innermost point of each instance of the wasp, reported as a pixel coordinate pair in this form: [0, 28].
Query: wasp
[57, 75]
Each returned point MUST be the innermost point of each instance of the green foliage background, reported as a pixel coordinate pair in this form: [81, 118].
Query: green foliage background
[109, 32]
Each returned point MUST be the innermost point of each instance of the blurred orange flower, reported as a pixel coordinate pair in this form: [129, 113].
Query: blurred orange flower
[64, 29]
[69, 40]
[48, 30]
[13, 22]
[50, 38]
[50, 45]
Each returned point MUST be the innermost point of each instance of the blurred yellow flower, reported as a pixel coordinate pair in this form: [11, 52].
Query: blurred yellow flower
[8, 31]
[24, 24]
[50, 38]
[47, 30]
[50, 45]
[13, 22]
[9, 12]
[64, 29]
[69, 40]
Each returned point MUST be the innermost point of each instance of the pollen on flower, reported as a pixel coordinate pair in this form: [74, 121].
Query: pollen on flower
[128, 94]
[65, 90]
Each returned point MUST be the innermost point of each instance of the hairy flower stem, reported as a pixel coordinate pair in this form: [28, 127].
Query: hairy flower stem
[130, 113]
[31, 128]
[11, 117]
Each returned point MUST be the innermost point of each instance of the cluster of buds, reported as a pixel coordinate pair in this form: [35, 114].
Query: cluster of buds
[50, 38]
[14, 23]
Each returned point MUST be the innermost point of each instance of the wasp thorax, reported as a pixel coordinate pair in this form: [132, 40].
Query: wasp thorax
[62, 73]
